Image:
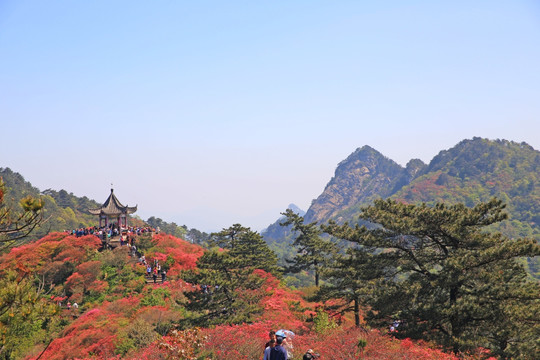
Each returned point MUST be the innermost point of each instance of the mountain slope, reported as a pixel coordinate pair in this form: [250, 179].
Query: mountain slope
[479, 169]
[62, 210]
[361, 178]
[65, 211]
[472, 171]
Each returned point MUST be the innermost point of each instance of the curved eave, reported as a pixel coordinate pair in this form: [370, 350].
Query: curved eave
[116, 212]
[131, 210]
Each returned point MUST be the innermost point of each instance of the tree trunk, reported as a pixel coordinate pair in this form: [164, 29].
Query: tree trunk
[356, 312]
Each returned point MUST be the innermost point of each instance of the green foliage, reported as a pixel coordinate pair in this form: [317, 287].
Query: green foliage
[155, 297]
[313, 252]
[362, 343]
[16, 225]
[196, 236]
[144, 242]
[226, 290]
[168, 228]
[471, 172]
[137, 334]
[247, 248]
[350, 277]
[478, 169]
[69, 213]
[299, 280]
[24, 315]
[439, 272]
[322, 322]
[227, 285]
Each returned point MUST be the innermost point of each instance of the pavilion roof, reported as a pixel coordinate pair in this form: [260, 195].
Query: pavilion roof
[112, 206]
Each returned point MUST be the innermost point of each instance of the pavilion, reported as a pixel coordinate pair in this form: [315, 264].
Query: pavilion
[113, 212]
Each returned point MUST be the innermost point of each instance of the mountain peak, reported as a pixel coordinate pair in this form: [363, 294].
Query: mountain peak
[473, 170]
[364, 175]
[296, 209]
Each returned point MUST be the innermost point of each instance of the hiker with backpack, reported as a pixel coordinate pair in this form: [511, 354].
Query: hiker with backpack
[278, 352]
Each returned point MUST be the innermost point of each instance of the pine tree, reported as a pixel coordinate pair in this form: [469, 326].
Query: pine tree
[24, 314]
[446, 278]
[16, 225]
[313, 252]
[350, 277]
[247, 247]
[227, 289]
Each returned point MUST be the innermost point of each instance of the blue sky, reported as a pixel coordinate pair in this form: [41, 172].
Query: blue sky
[210, 113]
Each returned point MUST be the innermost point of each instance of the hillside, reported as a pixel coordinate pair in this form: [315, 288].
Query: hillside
[64, 297]
[66, 211]
[61, 210]
[361, 178]
[472, 171]
[476, 170]
[120, 314]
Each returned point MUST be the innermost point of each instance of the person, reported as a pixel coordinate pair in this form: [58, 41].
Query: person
[163, 275]
[310, 355]
[148, 270]
[278, 352]
[287, 344]
[271, 344]
[154, 275]
[272, 336]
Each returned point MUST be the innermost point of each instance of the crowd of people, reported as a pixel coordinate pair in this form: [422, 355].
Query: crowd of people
[155, 271]
[111, 230]
[127, 238]
[280, 347]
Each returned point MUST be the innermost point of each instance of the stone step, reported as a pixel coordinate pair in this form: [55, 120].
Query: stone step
[151, 280]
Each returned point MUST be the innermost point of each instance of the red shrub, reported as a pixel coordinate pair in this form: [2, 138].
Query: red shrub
[31, 258]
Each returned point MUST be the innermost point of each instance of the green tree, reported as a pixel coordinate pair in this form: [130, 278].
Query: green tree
[350, 278]
[227, 286]
[196, 236]
[24, 315]
[168, 228]
[446, 278]
[313, 252]
[16, 225]
[225, 293]
[247, 248]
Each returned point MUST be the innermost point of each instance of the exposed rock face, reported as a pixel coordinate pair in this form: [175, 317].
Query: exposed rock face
[365, 175]
[474, 170]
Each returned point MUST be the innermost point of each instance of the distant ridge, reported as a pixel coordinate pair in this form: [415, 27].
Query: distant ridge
[275, 227]
[474, 170]
[66, 211]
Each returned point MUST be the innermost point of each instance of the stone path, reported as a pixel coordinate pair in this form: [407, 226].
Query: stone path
[114, 242]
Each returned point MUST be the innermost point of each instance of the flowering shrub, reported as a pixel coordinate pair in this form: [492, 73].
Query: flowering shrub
[175, 253]
[247, 342]
[92, 333]
[123, 317]
[35, 257]
[183, 345]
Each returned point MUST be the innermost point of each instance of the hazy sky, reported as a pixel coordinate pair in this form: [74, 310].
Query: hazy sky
[210, 113]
